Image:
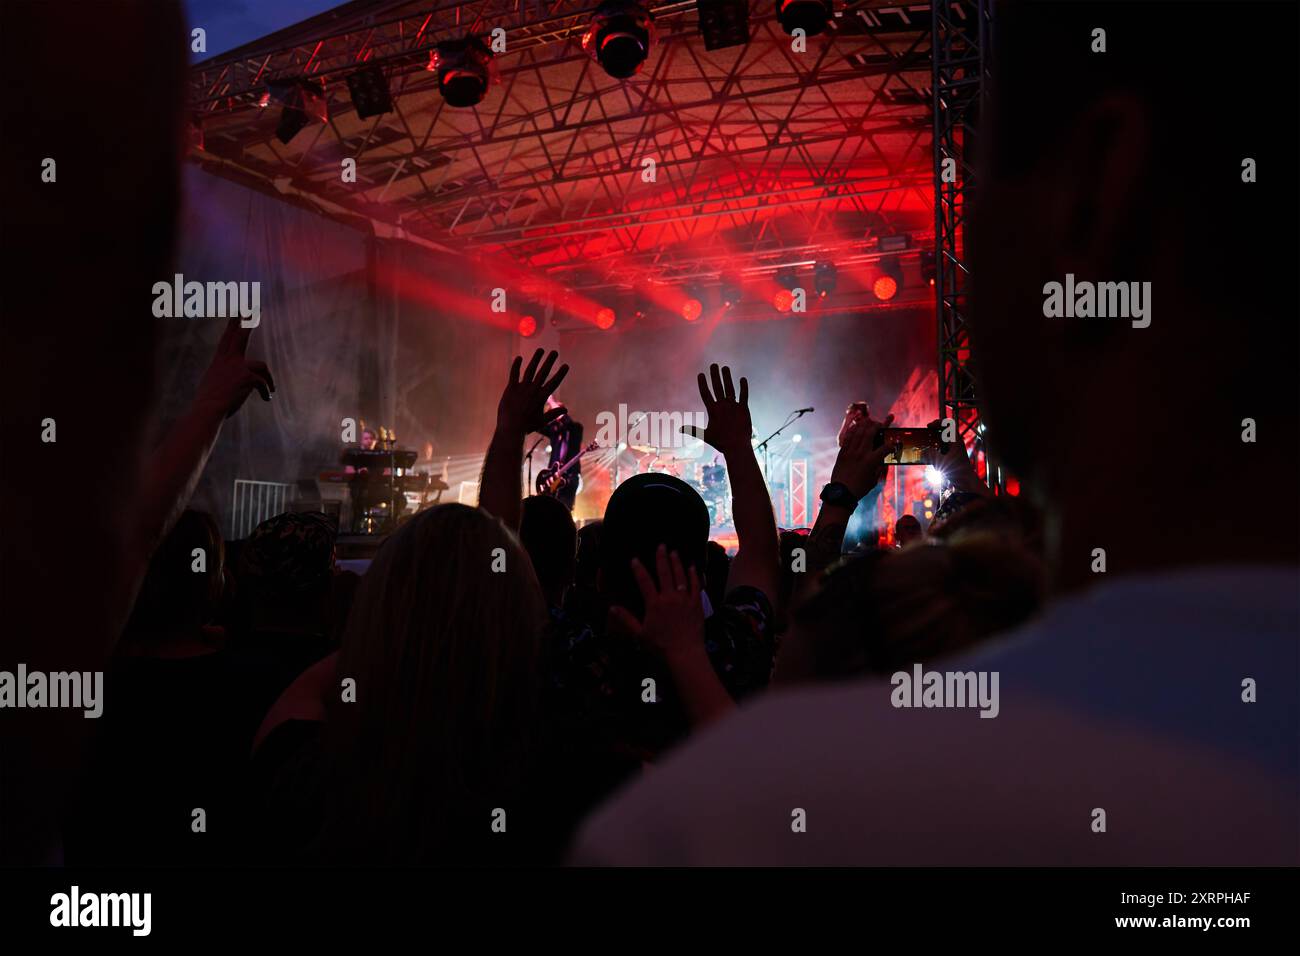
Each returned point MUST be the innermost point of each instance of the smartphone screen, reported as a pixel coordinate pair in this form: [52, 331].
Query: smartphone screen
[907, 446]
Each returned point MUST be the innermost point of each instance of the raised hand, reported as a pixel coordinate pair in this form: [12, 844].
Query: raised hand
[957, 466]
[859, 465]
[231, 376]
[729, 428]
[852, 415]
[523, 402]
[674, 613]
[674, 626]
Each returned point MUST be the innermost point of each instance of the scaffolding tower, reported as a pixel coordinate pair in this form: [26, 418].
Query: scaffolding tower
[961, 32]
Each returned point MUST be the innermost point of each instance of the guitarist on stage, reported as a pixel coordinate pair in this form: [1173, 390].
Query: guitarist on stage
[566, 439]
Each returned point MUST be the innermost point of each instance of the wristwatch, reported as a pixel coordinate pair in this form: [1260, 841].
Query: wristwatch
[838, 493]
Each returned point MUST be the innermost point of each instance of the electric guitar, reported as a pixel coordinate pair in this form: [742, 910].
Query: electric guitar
[551, 480]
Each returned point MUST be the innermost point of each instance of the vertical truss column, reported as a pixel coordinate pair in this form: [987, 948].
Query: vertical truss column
[799, 493]
[960, 38]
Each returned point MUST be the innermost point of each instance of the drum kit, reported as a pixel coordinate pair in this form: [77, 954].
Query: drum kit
[709, 478]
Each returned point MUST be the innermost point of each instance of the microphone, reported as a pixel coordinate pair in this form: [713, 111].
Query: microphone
[802, 411]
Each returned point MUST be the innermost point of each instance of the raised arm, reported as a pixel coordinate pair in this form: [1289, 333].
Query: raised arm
[178, 462]
[858, 468]
[520, 411]
[729, 431]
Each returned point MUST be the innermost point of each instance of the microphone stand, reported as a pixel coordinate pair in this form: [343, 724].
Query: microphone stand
[387, 447]
[623, 440]
[529, 458]
[767, 452]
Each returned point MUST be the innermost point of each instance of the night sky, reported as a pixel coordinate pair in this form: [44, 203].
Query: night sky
[232, 23]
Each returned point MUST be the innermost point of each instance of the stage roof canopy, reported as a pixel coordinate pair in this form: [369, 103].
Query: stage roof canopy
[763, 157]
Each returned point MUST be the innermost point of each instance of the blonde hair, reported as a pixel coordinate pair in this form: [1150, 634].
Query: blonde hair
[445, 646]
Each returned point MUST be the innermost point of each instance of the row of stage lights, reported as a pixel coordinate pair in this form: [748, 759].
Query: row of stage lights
[730, 293]
[619, 38]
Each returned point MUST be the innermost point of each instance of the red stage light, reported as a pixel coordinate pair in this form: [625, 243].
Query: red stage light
[527, 326]
[885, 287]
[1013, 487]
[605, 319]
[692, 309]
[783, 300]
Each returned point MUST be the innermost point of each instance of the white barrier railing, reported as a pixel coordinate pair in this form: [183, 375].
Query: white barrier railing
[468, 494]
[254, 502]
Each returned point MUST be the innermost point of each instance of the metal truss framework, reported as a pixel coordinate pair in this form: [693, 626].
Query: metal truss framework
[962, 31]
[763, 157]
[799, 493]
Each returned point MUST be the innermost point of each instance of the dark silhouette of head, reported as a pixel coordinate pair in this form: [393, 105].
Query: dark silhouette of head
[644, 512]
[1090, 165]
[587, 568]
[907, 529]
[550, 537]
[285, 568]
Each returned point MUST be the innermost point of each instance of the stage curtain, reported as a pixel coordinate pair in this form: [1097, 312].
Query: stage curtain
[451, 354]
[383, 331]
[317, 332]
